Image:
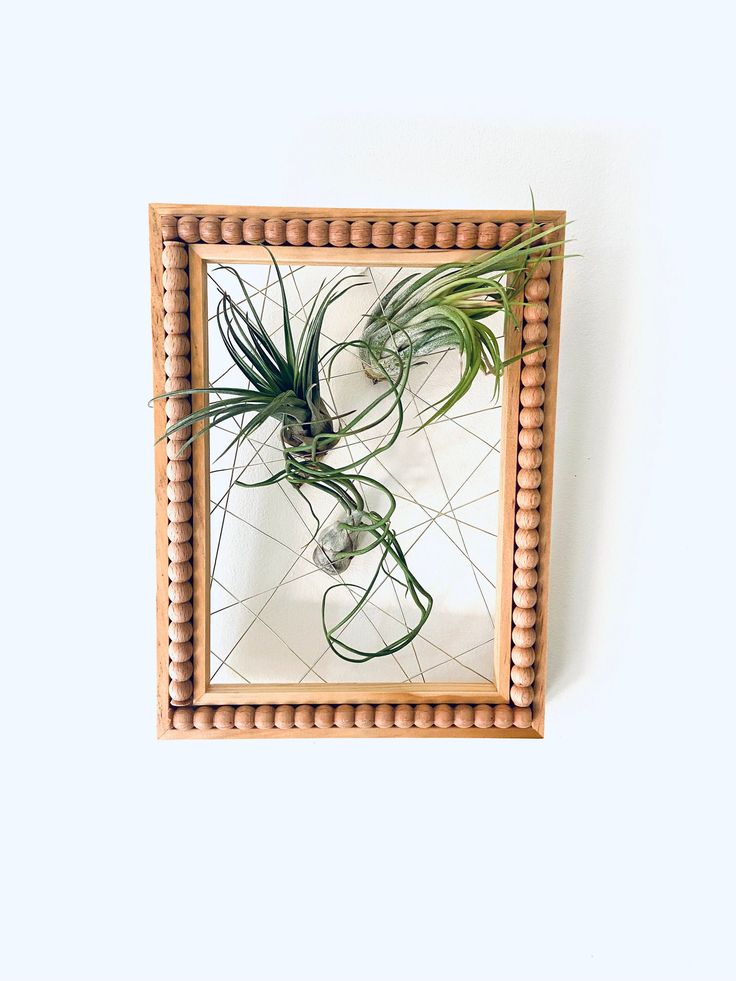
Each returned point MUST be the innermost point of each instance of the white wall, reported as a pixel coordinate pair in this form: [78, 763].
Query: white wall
[600, 853]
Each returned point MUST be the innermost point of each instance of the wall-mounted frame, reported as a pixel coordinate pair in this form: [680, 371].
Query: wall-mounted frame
[191, 702]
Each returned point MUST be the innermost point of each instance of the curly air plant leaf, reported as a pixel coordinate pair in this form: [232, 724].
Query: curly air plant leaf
[443, 308]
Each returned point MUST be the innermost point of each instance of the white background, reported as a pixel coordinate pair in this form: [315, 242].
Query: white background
[601, 853]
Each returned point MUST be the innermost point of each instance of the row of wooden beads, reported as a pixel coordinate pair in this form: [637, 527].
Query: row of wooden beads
[177, 369]
[352, 717]
[340, 233]
[529, 479]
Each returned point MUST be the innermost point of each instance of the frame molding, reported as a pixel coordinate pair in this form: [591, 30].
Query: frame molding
[181, 233]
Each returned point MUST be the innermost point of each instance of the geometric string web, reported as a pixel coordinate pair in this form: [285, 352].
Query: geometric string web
[265, 590]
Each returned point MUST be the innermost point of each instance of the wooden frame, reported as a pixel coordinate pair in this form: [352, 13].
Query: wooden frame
[182, 239]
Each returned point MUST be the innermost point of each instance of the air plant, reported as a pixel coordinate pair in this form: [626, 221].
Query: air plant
[281, 385]
[443, 308]
[285, 385]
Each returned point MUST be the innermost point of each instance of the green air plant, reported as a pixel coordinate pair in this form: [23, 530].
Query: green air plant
[444, 308]
[285, 385]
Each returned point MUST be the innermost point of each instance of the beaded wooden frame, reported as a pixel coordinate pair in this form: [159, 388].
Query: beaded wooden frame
[529, 389]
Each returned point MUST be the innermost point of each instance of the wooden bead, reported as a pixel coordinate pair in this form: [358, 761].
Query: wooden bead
[526, 558]
[524, 618]
[182, 719]
[540, 269]
[178, 408]
[284, 717]
[179, 552]
[364, 716]
[296, 231]
[523, 656]
[404, 716]
[175, 279]
[274, 231]
[188, 228]
[324, 716]
[232, 231]
[527, 537]
[531, 417]
[424, 716]
[528, 498]
[507, 233]
[180, 592]
[180, 531]
[224, 717]
[178, 470]
[180, 571]
[177, 366]
[532, 376]
[180, 670]
[467, 235]
[203, 716]
[530, 439]
[181, 652]
[176, 450]
[535, 333]
[176, 323]
[522, 696]
[530, 459]
[176, 301]
[523, 677]
[526, 578]
[532, 398]
[245, 717]
[210, 229]
[180, 692]
[253, 230]
[524, 636]
[444, 235]
[318, 233]
[179, 511]
[179, 491]
[175, 387]
[424, 235]
[535, 312]
[488, 235]
[403, 234]
[483, 716]
[525, 598]
[180, 633]
[339, 234]
[177, 344]
[536, 289]
[522, 717]
[444, 716]
[304, 716]
[529, 479]
[169, 227]
[527, 518]
[265, 717]
[345, 716]
[384, 716]
[532, 354]
[504, 716]
[464, 716]
[360, 234]
[180, 612]
[381, 234]
[174, 256]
